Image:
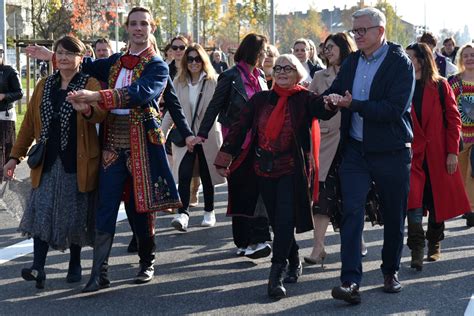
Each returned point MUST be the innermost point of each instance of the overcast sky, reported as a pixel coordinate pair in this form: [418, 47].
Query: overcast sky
[452, 14]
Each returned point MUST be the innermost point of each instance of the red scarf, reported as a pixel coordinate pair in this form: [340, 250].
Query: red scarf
[275, 122]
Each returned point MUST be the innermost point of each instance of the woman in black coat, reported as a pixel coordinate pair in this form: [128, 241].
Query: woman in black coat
[276, 164]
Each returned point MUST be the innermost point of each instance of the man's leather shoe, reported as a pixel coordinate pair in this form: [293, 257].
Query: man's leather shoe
[391, 283]
[348, 291]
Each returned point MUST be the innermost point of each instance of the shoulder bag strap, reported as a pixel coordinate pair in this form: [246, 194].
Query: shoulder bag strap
[197, 104]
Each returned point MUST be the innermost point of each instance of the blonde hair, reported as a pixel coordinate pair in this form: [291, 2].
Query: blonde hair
[293, 61]
[460, 59]
[206, 63]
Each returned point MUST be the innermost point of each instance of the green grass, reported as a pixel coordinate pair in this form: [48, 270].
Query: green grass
[19, 119]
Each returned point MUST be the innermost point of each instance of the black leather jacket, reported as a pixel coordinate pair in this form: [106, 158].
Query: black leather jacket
[9, 85]
[227, 101]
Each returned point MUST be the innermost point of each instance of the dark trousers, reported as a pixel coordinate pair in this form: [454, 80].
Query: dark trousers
[278, 196]
[111, 185]
[185, 174]
[391, 173]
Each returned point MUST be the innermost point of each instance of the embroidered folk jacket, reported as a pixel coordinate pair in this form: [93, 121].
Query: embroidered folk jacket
[153, 184]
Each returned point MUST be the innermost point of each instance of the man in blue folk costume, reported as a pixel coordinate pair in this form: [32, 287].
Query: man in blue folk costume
[132, 143]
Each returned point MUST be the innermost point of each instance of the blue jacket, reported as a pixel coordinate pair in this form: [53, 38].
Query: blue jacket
[387, 120]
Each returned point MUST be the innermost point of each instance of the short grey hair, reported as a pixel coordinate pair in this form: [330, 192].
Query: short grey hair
[295, 62]
[376, 16]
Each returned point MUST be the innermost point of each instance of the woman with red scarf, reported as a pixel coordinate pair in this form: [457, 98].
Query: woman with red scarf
[276, 164]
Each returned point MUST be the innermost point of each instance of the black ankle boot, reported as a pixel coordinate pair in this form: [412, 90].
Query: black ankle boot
[146, 252]
[30, 274]
[36, 272]
[102, 247]
[74, 273]
[416, 243]
[295, 269]
[275, 281]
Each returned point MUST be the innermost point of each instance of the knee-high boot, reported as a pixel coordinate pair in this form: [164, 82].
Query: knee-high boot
[416, 243]
[275, 288]
[102, 247]
[74, 273]
[146, 252]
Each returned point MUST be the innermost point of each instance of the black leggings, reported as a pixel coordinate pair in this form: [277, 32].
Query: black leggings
[185, 174]
[278, 196]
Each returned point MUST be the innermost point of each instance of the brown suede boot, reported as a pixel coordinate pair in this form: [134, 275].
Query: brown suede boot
[434, 251]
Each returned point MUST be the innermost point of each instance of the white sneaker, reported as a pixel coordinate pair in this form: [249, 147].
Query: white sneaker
[240, 252]
[180, 222]
[209, 219]
[260, 250]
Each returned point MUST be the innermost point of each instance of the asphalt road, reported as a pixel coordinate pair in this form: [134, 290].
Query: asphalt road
[197, 273]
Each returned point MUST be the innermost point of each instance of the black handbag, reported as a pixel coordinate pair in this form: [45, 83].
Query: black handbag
[175, 136]
[36, 154]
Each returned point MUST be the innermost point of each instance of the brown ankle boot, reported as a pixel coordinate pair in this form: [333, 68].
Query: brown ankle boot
[434, 251]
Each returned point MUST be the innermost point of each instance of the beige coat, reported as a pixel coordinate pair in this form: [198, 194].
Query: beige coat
[330, 130]
[214, 141]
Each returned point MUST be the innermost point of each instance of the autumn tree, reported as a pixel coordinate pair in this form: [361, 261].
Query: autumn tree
[48, 18]
[168, 15]
[241, 18]
[92, 18]
[209, 11]
[396, 30]
[297, 25]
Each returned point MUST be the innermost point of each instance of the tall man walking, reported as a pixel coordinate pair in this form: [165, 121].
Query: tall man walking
[373, 90]
[133, 143]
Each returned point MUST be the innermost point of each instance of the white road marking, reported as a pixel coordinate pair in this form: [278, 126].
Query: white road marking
[470, 307]
[25, 247]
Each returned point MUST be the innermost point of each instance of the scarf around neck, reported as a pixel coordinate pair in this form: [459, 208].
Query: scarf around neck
[78, 82]
[277, 118]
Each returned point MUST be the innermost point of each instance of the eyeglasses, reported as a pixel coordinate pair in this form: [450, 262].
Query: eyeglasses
[181, 47]
[286, 69]
[328, 48]
[196, 59]
[361, 31]
[67, 54]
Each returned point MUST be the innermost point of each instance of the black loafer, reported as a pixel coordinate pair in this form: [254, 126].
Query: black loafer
[348, 292]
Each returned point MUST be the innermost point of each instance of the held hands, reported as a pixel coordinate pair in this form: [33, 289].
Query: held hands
[39, 52]
[83, 96]
[335, 100]
[451, 163]
[192, 141]
[9, 169]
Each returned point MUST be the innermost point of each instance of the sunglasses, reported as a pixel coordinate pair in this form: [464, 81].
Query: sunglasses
[181, 47]
[196, 59]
